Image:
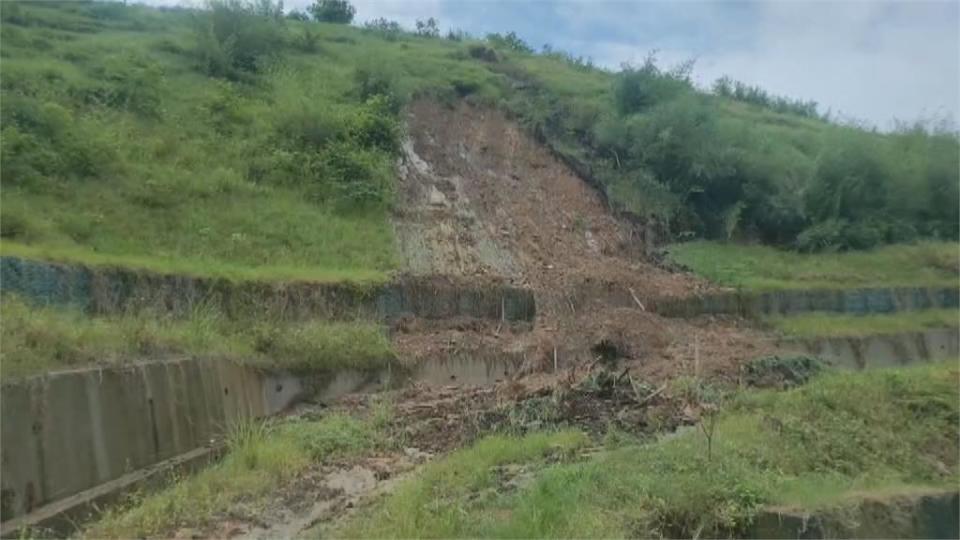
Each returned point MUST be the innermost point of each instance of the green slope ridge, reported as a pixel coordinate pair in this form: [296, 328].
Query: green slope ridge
[223, 139]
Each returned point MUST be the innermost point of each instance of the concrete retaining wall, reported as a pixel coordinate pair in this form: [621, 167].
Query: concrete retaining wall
[850, 301]
[912, 515]
[861, 301]
[111, 290]
[68, 431]
[880, 350]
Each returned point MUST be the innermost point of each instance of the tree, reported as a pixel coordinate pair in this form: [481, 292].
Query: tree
[298, 16]
[333, 11]
[428, 28]
[509, 41]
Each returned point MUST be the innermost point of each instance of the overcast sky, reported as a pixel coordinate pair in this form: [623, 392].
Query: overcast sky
[870, 60]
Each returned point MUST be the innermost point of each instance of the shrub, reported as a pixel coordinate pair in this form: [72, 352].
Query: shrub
[359, 177]
[637, 89]
[135, 84]
[376, 127]
[428, 28]
[308, 40]
[332, 11]
[46, 139]
[306, 126]
[389, 30]
[782, 371]
[482, 52]
[510, 41]
[378, 80]
[296, 15]
[233, 36]
[224, 108]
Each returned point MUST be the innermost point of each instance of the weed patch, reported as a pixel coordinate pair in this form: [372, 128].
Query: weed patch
[260, 457]
[824, 325]
[41, 339]
[766, 268]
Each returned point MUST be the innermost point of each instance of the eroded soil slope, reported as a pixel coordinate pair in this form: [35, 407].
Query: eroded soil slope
[479, 198]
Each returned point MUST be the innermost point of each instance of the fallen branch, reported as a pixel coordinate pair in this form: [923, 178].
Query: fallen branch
[635, 299]
[644, 400]
[502, 317]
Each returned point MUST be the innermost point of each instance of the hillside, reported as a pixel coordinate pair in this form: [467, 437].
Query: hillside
[238, 142]
[266, 277]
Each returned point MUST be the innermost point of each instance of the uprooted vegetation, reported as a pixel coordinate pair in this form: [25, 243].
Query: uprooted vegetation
[811, 446]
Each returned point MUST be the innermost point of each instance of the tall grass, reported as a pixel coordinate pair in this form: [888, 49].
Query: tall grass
[811, 446]
[437, 503]
[755, 267]
[827, 325]
[37, 340]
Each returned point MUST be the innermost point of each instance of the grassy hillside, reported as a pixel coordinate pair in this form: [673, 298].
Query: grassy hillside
[232, 138]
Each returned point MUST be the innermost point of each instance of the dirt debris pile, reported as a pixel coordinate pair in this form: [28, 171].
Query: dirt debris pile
[478, 198]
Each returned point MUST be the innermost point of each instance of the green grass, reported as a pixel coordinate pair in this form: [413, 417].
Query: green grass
[36, 340]
[827, 325]
[434, 504]
[195, 267]
[209, 180]
[260, 459]
[758, 268]
[812, 447]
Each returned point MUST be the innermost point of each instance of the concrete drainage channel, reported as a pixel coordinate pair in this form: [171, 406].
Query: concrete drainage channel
[74, 439]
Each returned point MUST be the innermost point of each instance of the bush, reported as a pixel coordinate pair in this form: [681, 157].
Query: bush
[428, 28]
[378, 80]
[45, 139]
[308, 40]
[332, 11]
[782, 371]
[389, 30]
[233, 36]
[482, 52]
[375, 127]
[224, 108]
[510, 41]
[637, 89]
[296, 15]
[134, 84]
[359, 177]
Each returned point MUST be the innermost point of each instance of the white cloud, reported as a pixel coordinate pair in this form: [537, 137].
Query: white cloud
[874, 61]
